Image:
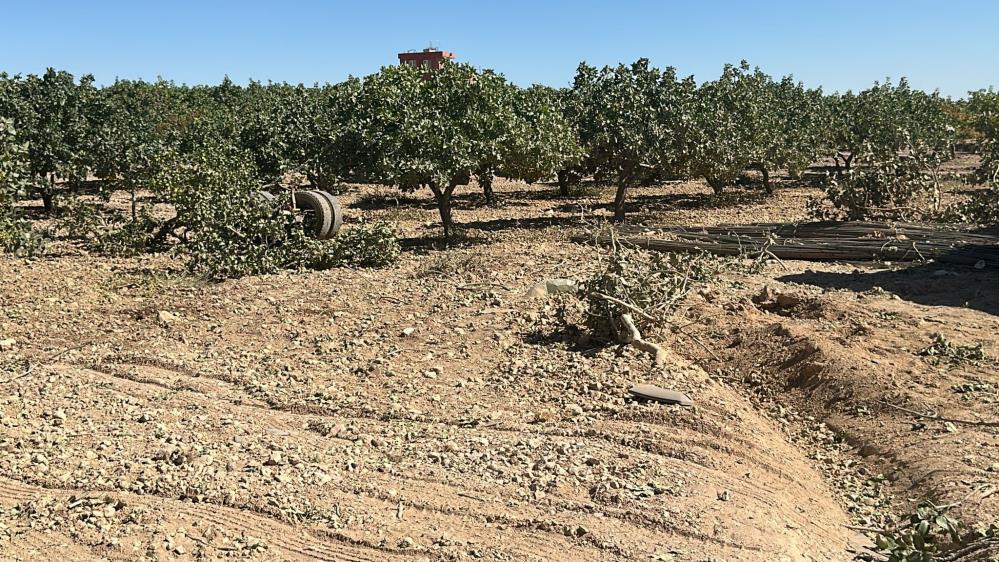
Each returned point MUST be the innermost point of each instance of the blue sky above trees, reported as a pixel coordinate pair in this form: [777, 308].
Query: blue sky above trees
[849, 44]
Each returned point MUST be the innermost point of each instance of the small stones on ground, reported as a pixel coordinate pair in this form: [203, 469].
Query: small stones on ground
[770, 298]
[787, 300]
[165, 317]
[765, 295]
[552, 287]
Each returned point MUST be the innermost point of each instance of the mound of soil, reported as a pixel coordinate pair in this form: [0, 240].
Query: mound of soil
[433, 410]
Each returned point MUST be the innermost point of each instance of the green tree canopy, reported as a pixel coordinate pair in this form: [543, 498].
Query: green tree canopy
[433, 130]
[634, 122]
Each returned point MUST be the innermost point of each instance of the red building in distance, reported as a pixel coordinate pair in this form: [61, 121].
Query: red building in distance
[429, 58]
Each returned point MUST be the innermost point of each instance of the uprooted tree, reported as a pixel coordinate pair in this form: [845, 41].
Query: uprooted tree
[635, 294]
[231, 229]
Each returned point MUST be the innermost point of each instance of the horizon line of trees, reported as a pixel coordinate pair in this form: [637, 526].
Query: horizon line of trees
[627, 124]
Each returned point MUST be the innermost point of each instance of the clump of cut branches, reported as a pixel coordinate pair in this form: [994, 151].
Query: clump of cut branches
[107, 231]
[637, 293]
[980, 208]
[900, 186]
[929, 534]
[364, 245]
[231, 231]
[941, 350]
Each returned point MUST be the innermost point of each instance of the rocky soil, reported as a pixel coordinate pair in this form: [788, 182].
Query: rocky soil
[435, 410]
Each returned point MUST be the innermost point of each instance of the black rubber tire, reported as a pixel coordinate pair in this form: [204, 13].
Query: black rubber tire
[318, 213]
[337, 214]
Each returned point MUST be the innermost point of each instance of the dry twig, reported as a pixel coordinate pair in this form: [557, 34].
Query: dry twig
[938, 417]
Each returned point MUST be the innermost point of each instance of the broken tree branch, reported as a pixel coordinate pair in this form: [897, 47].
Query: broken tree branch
[635, 339]
[629, 306]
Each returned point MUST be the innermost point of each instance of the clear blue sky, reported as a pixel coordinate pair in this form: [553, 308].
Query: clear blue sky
[847, 44]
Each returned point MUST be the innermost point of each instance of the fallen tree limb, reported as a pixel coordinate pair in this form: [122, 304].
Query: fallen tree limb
[634, 337]
[631, 327]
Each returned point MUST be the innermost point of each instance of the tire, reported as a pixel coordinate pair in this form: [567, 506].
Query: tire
[318, 213]
[337, 214]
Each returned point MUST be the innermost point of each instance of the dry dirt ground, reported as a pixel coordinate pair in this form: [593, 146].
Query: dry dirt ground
[434, 411]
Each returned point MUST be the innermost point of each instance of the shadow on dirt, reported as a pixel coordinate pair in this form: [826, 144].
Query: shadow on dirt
[34, 212]
[549, 191]
[662, 200]
[532, 223]
[644, 204]
[435, 242]
[468, 200]
[933, 284]
[378, 202]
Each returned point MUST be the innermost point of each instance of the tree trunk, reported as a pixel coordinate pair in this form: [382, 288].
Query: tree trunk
[487, 191]
[165, 229]
[134, 213]
[717, 184]
[619, 199]
[47, 201]
[486, 180]
[563, 182]
[443, 197]
[48, 195]
[849, 160]
[759, 166]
